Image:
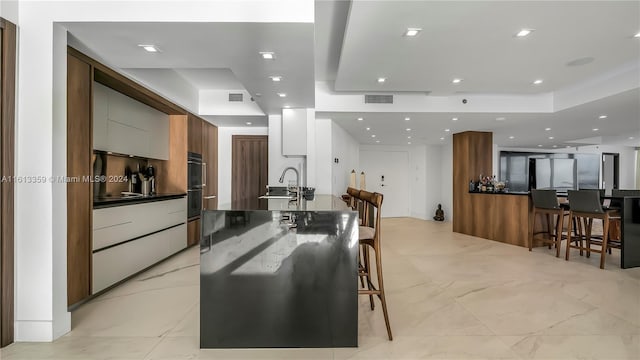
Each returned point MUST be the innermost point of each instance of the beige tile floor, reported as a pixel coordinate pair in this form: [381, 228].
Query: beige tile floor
[450, 296]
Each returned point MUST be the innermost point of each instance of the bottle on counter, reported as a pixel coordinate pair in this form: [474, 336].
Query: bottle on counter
[472, 186]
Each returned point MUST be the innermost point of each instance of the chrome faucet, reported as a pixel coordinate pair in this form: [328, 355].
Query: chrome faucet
[297, 177]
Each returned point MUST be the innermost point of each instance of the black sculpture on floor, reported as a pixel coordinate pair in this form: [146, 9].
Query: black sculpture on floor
[439, 214]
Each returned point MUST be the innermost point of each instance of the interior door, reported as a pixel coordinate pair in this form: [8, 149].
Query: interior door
[387, 172]
[249, 169]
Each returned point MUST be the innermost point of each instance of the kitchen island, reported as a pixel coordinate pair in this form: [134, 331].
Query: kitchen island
[282, 275]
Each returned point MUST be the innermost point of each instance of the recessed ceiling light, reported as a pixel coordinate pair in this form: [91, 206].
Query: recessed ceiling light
[596, 129]
[248, 122]
[257, 94]
[287, 106]
[441, 138]
[537, 82]
[512, 137]
[408, 129]
[282, 94]
[412, 32]
[267, 55]
[360, 119]
[539, 145]
[454, 119]
[568, 146]
[276, 78]
[377, 141]
[501, 118]
[555, 146]
[550, 137]
[456, 81]
[381, 79]
[524, 32]
[602, 117]
[408, 137]
[547, 129]
[409, 142]
[637, 35]
[630, 137]
[368, 129]
[407, 119]
[447, 130]
[373, 135]
[150, 48]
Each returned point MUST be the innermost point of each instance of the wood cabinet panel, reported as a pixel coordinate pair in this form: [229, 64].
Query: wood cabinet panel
[195, 134]
[193, 232]
[79, 150]
[7, 154]
[210, 158]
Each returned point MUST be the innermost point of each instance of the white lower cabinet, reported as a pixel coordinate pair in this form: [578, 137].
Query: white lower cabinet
[116, 263]
[127, 239]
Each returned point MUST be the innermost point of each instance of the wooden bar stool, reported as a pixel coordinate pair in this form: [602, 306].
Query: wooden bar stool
[546, 202]
[586, 205]
[369, 236]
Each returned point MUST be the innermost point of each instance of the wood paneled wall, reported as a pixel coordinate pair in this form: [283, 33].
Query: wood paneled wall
[79, 194]
[172, 174]
[497, 217]
[7, 153]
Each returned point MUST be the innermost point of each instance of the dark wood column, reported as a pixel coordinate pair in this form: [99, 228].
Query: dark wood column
[472, 156]
[7, 130]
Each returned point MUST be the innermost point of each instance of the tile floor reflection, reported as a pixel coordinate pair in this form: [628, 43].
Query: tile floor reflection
[450, 296]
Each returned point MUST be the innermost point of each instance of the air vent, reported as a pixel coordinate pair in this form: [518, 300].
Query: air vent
[235, 97]
[378, 99]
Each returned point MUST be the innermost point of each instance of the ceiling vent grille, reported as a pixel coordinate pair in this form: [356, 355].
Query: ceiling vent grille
[235, 97]
[378, 99]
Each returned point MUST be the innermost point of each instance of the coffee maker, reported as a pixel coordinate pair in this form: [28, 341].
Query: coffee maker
[151, 175]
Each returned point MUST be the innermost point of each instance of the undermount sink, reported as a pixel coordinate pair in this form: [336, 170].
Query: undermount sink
[277, 197]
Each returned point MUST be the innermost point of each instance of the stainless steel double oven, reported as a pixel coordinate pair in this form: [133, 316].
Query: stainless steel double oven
[195, 183]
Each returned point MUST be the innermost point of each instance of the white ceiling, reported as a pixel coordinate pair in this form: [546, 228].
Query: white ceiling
[475, 41]
[198, 51]
[528, 129]
[354, 42]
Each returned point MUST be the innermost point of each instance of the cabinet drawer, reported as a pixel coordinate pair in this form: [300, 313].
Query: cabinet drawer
[121, 223]
[117, 263]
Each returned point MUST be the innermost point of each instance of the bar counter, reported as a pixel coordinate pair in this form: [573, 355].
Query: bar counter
[281, 275]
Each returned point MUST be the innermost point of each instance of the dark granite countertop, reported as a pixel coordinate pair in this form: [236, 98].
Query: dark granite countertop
[117, 200]
[526, 193]
[319, 203]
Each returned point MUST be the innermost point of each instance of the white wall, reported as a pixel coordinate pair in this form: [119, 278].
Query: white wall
[324, 159]
[224, 157]
[41, 312]
[446, 184]
[347, 150]
[426, 178]
[277, 162]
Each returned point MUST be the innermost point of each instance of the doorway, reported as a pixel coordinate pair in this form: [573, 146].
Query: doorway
[249, 169]
[387, 172]
[610, 172]
[7, 123]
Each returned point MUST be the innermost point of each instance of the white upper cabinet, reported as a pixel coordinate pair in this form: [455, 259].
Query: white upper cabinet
[294, 132]
[126, 126]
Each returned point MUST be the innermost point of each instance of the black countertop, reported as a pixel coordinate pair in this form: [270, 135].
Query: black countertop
[117, 200]
[526, 193]
[319, 203]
